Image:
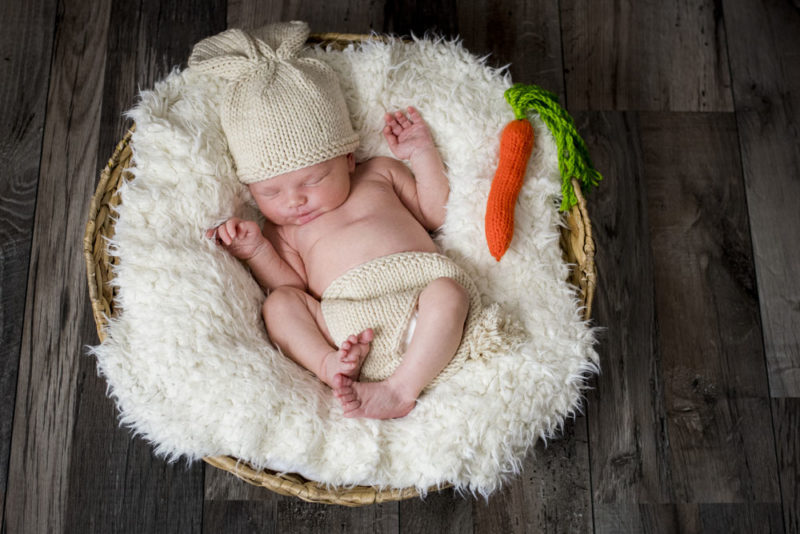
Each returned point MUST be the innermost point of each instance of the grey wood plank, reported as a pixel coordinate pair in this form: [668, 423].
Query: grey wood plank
[419, 17]
[706, 518]
[709, 334]
[343, 16]
[296, 516]
[628, 436]
[755, 518]
[551, 495]
[57, 320]
[135, 491]
[224, 486]
[26, 42]
[786, 414]
[635, 518]
[764, 46]
[645, 55]
[523, 33]
[439, 513]
[239, 517]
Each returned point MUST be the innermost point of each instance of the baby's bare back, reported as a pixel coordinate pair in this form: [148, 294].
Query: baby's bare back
[371, 223]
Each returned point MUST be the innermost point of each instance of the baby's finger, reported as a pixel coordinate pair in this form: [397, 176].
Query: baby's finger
[223, 235]
[231, 226]
[395, 128]
[390, 136]
[250, 228]
[414, 114]
[402, 119]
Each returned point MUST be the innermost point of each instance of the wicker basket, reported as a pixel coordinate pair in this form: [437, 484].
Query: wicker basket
[576, 243]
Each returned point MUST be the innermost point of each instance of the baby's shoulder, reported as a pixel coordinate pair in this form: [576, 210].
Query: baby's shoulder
[383, 166]
[380, 162]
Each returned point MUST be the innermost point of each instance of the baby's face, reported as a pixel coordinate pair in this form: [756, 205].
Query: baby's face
[298, 197]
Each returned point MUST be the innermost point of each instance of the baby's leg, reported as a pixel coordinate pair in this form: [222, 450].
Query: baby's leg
[443, 307]
[295, 324]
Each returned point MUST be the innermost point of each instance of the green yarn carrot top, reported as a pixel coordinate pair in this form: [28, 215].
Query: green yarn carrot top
[573, 156]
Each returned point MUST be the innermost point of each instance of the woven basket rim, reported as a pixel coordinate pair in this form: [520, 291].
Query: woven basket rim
[97, 260]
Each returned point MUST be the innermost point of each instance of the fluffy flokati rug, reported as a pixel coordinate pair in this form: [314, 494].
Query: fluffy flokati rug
[188, 361]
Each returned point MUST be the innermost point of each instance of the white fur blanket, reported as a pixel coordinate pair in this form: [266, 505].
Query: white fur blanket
[188, 361]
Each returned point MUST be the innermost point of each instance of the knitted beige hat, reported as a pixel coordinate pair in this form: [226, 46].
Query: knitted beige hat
[280, 111]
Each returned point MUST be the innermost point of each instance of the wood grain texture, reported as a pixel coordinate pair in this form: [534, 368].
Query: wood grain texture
[765, 62]
[645, 55]
[551, 495]
[444, 512]
[627, 415]
[239, 517]
[709, 334]
[140, 492]
[57, 319]
[300, 517]
[344, 16]
[706, 518]
[530, 40]
[786, 413]
[26, 41]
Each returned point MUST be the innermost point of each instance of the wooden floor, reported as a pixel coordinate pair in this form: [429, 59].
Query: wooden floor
[691, 110]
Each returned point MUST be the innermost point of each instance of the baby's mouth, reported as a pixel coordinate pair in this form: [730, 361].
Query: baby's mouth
[306, 217]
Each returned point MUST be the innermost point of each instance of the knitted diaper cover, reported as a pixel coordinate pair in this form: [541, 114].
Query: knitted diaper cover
[382, 294]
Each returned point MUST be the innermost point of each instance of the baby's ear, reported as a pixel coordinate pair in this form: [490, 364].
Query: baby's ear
[351, 162]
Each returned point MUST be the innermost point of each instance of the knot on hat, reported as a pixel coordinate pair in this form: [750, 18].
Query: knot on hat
[235, 53]
[281, 110]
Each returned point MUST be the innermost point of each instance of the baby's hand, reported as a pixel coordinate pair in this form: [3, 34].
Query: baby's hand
[407, 136]
[241, 238]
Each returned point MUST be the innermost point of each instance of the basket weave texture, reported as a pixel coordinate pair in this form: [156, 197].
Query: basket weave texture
[576, 243]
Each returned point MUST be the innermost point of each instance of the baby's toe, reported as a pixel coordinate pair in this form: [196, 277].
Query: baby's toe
[346, 395]
[366, 336]
[351, 408]
[341, 382]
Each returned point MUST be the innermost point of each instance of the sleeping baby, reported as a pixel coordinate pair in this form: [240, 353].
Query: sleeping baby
[357, 292]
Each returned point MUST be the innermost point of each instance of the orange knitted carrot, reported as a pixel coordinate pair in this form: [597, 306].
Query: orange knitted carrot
[516, 144]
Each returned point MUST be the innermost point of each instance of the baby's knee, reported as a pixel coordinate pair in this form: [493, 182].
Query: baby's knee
[448, 292]
[279, 301]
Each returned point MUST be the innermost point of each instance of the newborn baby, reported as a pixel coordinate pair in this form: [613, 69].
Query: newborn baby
[345, 254]
[326, 219]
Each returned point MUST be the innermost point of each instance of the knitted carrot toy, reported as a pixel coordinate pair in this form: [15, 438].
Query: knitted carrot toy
[516, 144]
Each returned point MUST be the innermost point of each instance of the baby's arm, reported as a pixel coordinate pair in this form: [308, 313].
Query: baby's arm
[410, 138]
[245, 241]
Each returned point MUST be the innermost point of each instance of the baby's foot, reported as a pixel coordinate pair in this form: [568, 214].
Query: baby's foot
[347, 361]
[373, 400]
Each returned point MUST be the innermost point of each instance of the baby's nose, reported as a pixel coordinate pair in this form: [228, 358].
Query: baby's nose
[297, 200]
